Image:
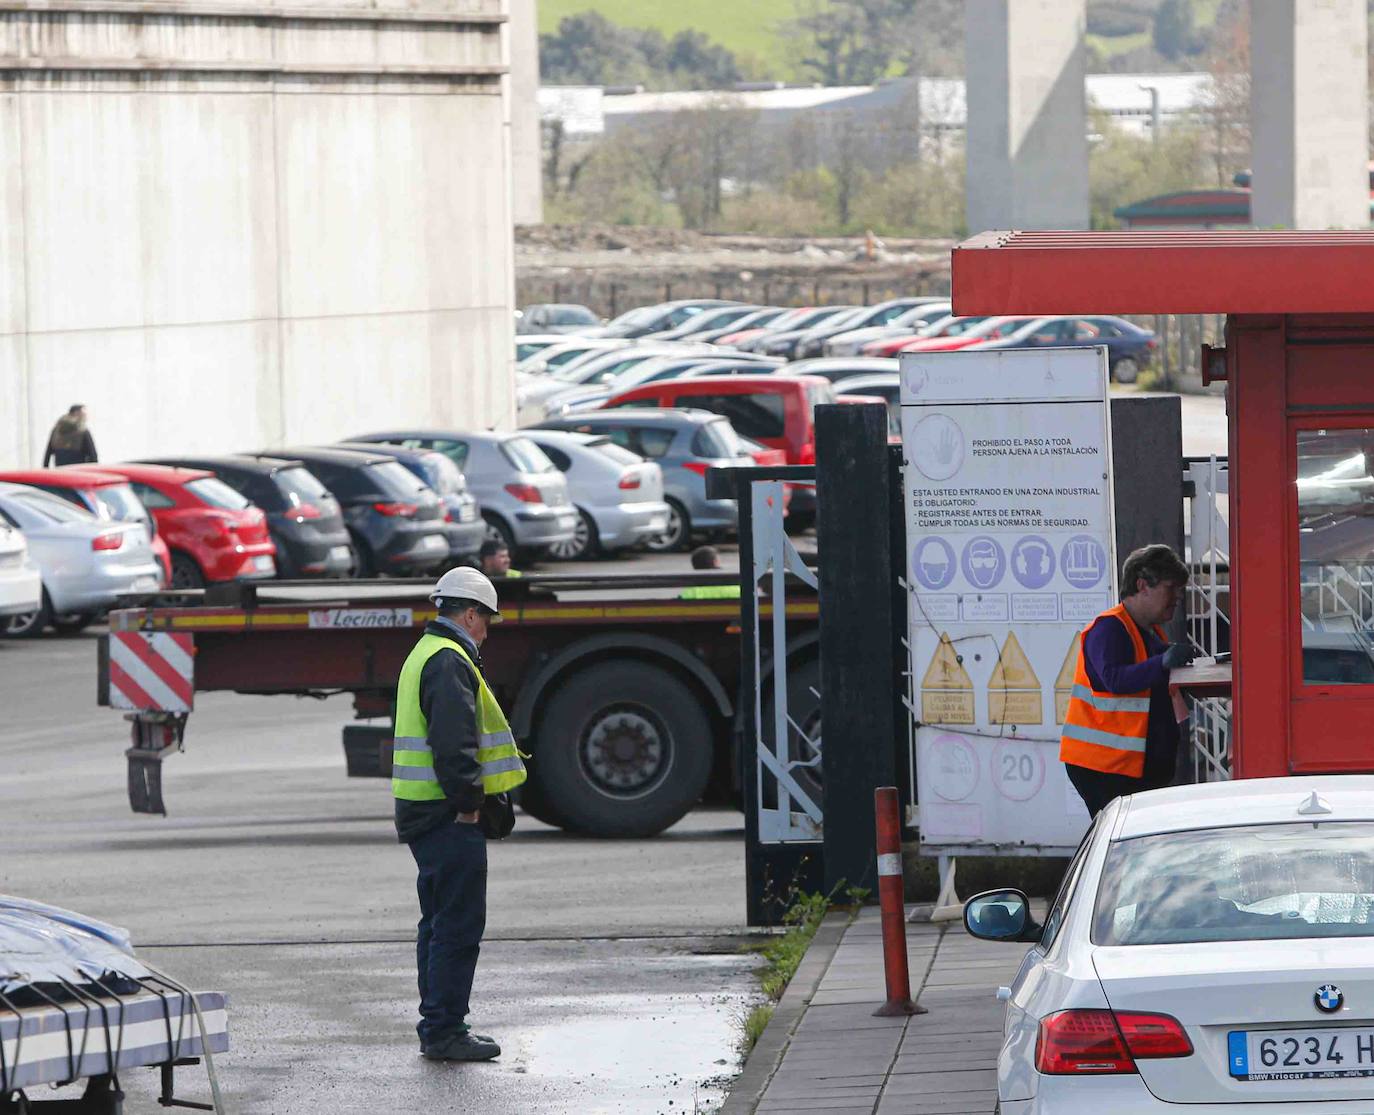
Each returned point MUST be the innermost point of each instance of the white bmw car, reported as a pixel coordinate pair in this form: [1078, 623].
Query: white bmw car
[1211, 946]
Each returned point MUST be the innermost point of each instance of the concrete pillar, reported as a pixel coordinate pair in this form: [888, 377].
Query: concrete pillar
[1027, 125]
[526, 139]
[1309, 110]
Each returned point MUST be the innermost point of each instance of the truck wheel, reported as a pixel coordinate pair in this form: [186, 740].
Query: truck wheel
[624, 749]
[804, 711]
[534, 801]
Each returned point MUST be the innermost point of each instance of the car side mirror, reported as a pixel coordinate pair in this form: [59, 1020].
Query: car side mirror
[1000, 915]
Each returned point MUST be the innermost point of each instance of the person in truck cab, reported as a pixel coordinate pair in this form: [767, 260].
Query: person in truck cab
[453, 764]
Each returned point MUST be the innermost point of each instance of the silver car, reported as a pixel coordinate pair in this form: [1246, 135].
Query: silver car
[524, 497]
[85, 562]
[618, 494]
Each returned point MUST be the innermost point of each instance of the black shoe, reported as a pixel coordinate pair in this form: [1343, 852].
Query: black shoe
[462, 1047]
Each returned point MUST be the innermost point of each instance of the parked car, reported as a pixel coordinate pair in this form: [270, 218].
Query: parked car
[556, 317]
[889, 344]
[552, 357]
[812, 342]
[717, 317]
[783, 342]
[836, 368]
[800, 317]
[618, 494]
[755, 320]
[21, 583]
[84, 563]
[524, 497]
[395, 520]
[919, 317]
[643, 320]
[684, 444]
[213, 533]
[304, 519]
[543, 396]
[662, 367]
[462, 514]
[774, 410]
[1129, 347]
[529, 344]
[885, 386]
[104, 494]
[994, 328]
[1199, 952]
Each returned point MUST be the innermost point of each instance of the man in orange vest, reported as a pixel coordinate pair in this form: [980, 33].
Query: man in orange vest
[1121, 733]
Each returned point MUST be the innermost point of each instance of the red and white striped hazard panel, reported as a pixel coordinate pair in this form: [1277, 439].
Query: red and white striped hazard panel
[152, 671]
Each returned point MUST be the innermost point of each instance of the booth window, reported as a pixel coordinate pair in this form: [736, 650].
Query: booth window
[1336, 555]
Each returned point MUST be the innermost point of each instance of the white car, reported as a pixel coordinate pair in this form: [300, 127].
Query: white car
[85, 562]
[21, 585]
[1211, 946]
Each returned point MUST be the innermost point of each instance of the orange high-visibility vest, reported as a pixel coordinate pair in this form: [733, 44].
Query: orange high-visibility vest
[1106, 731]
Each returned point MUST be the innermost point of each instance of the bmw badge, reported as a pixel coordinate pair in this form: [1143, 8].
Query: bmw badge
[1329, 998]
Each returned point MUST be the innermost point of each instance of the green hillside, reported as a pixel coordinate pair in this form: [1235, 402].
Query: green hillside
[747, 27]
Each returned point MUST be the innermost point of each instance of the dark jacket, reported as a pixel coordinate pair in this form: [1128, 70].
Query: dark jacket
[70, 443]
[448, 698]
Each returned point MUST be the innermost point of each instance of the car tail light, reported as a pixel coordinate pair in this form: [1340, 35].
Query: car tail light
[699, 467]
[525, 493]
[307, 511]
[448, 515]
[1152, 343]
[630, 480]
[1088, 1042]
[808, 454]
[396, 510]
[107, 541]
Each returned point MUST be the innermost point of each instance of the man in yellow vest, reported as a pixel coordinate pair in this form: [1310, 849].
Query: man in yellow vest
[1121, 733]
[707, 559]
[453, 751]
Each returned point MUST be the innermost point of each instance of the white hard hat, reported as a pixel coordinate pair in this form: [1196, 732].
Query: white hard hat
[465, 583]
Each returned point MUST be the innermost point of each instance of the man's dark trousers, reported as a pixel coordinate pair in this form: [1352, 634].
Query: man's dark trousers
[452, 885]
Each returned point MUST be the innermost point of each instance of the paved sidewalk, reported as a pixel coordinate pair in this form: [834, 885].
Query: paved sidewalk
[831, 1054]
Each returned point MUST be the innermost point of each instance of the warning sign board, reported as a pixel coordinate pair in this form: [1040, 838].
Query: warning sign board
[946, 688]
[1010, 554]
[1013, 690]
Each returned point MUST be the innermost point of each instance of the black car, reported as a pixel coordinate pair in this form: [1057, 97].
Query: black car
[395, 519]
[462, 516]
[303, 518]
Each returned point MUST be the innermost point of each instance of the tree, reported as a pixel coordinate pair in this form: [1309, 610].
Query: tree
[1175, 30]
[851, 42]
[1124, 167]
[588, 49]
[1225, 111]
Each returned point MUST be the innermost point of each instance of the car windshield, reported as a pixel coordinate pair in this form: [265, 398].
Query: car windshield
[52, 509]
[394, 479]
[299, 487]
[215, 492]
[526, 456]
[1255, 882]
[570, 315]
[607, 448]
[118, 502]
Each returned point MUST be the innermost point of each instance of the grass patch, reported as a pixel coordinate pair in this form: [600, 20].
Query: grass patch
[782, 955]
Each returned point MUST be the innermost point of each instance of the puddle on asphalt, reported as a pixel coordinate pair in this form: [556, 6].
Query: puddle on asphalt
[659, 1052]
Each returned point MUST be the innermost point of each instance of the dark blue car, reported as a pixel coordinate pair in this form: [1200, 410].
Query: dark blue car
[1129, 347]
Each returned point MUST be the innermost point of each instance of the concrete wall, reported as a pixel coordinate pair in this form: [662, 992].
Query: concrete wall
[1309, 111]
[1027, 123]
[527, 159]
[225, 232]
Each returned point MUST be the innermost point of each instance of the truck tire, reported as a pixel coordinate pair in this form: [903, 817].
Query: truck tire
[804, 710]
[623, 749]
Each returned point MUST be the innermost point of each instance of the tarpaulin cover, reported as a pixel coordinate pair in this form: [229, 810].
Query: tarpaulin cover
[46, 944]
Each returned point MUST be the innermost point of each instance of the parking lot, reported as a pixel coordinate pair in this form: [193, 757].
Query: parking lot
[611, 971]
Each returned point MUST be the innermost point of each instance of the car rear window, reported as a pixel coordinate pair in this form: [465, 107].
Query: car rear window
[716, 439]
[758, 415]
[215, 492]
[118, 502]
[442, 474]
[526, 456]
[819, 393]
[394, 479]
[51, 508]
[298, 487]
[620, 455]
[1255, 882]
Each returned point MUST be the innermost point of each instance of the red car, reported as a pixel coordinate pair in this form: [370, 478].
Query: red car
[103, 494]
[214, 534]
[893, 341]
[994, 329]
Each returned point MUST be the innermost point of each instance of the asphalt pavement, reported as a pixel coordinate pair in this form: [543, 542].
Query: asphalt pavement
[612, 973]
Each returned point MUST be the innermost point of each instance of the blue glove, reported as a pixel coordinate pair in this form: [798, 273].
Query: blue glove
[1178, 654]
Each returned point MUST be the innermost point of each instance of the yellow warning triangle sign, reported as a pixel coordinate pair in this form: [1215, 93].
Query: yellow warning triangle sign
[1013, 669]
[945, 670]
[1070, 667]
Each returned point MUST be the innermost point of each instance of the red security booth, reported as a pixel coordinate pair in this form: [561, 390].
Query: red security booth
[1299, 370]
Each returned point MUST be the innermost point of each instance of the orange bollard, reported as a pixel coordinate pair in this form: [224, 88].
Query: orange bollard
[889, 818]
